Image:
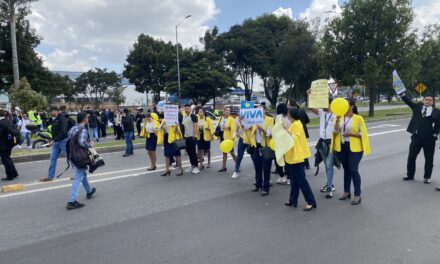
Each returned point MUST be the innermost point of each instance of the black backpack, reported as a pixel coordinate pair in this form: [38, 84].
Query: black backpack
[70, 123]
[78, 155]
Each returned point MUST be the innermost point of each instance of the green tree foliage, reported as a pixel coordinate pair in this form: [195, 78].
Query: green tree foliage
[26, 98]
[147, 64]
[429, 55]
[368, 41]
[95, 84]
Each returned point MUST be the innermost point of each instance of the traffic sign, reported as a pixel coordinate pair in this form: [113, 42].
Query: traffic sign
[421, 88]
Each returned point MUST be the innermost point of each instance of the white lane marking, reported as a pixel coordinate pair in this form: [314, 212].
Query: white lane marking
[387, 132]
[91, 181]
[384, 126]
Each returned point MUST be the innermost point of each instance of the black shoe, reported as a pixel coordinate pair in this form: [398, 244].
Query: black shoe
[152, 169]
[354, 202]
[90, 194]
[345, 197]
[427, 181]
[74, 205]
[264, 193]
[125, 155]
[289, 204]
[437, 189]
[256, 189]
[309, 208]
[7, 179]
[167, 173]
[222, 170]
[408, 178]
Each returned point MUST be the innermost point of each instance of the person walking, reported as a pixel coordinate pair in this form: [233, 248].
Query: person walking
[118, 126]
[139, 117]
[326, 126]
[151, 129]
[204, 137]
[79, 138]
[7, 132]
[59, 137]
[424, 128]
[241, 146]
[128, 127]
[295, 163]
[25, 133]
[171, 134]
[190, 124]
[350, 142]
[93, 125]
[283, 120]
[104, 122]
[304, 118]
[227, 132]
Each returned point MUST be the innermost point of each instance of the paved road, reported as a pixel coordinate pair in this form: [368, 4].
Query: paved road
[140, 217]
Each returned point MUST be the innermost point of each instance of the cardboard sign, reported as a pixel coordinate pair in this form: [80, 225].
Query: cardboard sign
[171, 114]
[252, 116]
[318, 97]
[398, 85]
[161, 106]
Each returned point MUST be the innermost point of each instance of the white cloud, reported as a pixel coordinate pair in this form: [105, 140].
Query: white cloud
[321, 10]
[426, 13]
[82, 34]
[283, 12]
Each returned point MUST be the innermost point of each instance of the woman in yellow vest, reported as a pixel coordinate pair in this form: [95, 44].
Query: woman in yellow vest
[204, 137]
[258, 137]
[295, 163]
[171, 133]
[227, 128]
[150, 130]
[350, 142]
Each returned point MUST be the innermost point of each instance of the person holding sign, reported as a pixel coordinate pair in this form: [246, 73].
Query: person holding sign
[350, 142]
[151, 128]
[171, 134]
[204, 137]
[226, 126]
[295, 167]
[424, 127]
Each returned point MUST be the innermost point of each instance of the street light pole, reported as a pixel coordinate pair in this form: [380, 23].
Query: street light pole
[177, 55]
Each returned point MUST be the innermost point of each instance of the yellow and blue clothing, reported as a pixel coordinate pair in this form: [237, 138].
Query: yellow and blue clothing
[171, 134]
[205, 135]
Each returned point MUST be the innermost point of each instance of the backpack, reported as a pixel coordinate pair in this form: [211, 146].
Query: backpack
[78, 155]
[70, 123]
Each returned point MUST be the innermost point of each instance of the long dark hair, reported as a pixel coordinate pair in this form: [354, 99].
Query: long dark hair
[352, 103]
[282, 109]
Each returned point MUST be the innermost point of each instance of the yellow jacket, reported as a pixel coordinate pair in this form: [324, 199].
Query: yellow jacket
[267, 125]
[356, 144]
[229, 129]
[208, 130]
[250, 136]
[144, 132]
[300, 150]
[174, 133]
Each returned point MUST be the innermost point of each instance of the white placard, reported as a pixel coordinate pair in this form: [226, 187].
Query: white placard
[171, 114]
[253, 116]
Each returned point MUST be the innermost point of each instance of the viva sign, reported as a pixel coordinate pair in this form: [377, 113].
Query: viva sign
[250, 117]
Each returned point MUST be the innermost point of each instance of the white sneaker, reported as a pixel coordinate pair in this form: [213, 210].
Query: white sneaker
[195, 170]
[189, 169]
[19, 146]
[288, 182]
[282, 180]
[235, 175]
[30, 147]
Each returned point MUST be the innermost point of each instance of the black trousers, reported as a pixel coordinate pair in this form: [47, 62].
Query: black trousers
[191, 150]
[103, 128]
[5, 156]
[417, 144]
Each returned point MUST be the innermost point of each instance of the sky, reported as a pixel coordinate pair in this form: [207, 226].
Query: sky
[82, 34]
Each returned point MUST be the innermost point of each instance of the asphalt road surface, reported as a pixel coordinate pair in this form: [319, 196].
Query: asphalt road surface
[140, 217]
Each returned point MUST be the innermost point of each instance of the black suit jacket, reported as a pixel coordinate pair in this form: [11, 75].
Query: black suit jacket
[6, 128]
[418, 117]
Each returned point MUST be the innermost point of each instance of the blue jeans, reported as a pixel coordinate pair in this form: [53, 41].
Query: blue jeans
[128, 142]
[57, 148]
[350, 162]
[299, 182]
[328, 162]
[79, 176]
[27, 136]
[93, 133]
[241, 149]
[262, 170]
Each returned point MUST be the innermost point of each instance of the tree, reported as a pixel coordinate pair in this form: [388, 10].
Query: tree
[94, 85]
[117, 95]
[203, 76]
[147, 64]
[368, 41]
[11, 7]
[26, 98]
[429, 55]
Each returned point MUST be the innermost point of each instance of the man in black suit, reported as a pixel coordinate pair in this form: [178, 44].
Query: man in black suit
[6, 131]
[424, 127]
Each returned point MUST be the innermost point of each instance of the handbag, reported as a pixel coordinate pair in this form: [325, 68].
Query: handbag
[179, 144]
[267, 152]
[218, 131]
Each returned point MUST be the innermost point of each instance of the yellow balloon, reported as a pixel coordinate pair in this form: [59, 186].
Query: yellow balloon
[154, 116]
[272, 145]
[339, 106]
[226, 146]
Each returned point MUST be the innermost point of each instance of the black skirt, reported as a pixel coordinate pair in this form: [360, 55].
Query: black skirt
[203, 144]
[151, 143]
[169, 150]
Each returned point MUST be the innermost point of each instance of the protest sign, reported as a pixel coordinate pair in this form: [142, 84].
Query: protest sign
[161, 106]
[318, 97]
[171, 114]
[398, 85]
[247, 104]
[252, 116]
